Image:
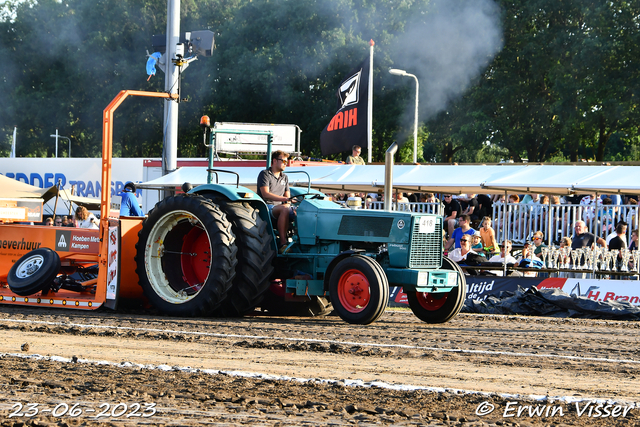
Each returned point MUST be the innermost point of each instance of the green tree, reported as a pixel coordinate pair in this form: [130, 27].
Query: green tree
[565, 82]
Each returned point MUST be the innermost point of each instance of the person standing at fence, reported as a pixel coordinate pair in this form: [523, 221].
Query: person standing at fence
[488, 236]
[485, 205]
[589, 205]
[452, 210]
[615, 233]
[354, 158]
[512, 209]
[583, 239]
[534, 209]
[634, 240]
[631, 215]
[472, 207]
[435, 206]
[129, 203]
[464, 230]
[606, 216]
[618, 243]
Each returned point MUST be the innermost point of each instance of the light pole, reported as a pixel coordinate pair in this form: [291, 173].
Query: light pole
[403, 73]
[56, 136]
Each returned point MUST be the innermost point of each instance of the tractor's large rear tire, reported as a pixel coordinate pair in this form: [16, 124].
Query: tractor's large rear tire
[33, 272]
[440, 307]
[255, 259]
[186, 256]
[359, 290]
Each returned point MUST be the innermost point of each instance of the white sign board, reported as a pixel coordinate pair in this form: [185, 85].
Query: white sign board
[285, 137]
[84, 174]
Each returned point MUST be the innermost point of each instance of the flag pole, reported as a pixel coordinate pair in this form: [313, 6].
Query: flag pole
[370, 106]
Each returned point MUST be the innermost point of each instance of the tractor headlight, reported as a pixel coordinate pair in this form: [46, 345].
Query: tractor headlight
[452, 279]
[423, 278]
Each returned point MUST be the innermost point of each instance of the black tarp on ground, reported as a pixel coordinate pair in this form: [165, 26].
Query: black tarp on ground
[551, 302]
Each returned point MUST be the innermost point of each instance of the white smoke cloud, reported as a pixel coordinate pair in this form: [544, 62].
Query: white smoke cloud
[446, 48]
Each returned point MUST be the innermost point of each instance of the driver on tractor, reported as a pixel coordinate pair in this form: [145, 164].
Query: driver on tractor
[273, 187]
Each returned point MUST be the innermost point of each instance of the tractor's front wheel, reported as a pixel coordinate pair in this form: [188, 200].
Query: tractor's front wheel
[359, 290]
[440, 307]
[186, 256]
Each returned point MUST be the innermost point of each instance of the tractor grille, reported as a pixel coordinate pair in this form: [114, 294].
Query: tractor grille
[365, 226]
[426, 248]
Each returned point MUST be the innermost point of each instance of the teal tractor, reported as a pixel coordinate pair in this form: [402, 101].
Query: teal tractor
[212, 251]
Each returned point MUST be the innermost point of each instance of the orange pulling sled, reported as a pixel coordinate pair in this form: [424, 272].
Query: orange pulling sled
[41, 259]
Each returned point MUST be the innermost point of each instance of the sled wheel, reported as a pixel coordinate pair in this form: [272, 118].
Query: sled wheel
[255, 256]
[440, 307]
[359, 290]
[186, 256]
[34, 272]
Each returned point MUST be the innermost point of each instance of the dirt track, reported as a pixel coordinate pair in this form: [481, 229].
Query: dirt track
[493, 359]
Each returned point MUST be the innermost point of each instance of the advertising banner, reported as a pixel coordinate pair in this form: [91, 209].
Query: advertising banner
[481, 287]
[597, 290]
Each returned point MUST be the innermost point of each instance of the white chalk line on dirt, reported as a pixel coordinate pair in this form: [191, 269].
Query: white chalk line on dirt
[345, 382]
[313, 340]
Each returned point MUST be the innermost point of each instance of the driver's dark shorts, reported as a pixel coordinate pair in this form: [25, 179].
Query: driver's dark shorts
[292, 212]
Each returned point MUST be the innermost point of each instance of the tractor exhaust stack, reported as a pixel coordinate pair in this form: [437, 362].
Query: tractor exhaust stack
[388, 175]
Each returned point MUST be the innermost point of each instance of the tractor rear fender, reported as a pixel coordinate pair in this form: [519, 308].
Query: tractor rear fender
[234, 194]
[334, 262]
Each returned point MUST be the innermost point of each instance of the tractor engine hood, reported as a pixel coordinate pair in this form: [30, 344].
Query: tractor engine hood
[325, 220]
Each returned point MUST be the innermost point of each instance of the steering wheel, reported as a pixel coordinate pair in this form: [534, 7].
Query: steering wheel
[302, 196]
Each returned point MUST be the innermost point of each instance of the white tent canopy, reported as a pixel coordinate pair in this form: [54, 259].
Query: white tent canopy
[11, 188]
[456, 179]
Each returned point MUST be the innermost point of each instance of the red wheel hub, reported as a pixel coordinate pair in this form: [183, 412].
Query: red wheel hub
[430, 302]
[195, 259]
[354, 291]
